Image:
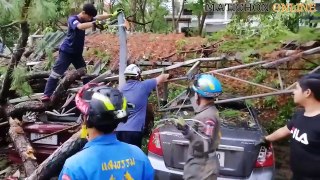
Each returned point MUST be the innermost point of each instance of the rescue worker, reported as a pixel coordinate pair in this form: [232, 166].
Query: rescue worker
[137, 92]
[71, 49]
[202, 162]
[103, 156]
[304, 130]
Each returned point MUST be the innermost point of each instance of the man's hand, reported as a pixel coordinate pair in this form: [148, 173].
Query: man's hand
[162, 78]
[102, 25]
[263, 142]
[117, 12]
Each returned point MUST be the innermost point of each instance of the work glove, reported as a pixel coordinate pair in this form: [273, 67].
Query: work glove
[117, 12]
[102, 25]
[263, 142]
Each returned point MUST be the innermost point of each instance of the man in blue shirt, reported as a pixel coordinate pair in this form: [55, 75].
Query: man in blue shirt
[137, 93]
[104, 157]
[72, 47]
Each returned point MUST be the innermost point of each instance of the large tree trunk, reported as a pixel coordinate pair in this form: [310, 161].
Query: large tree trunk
[52, 166]
[22, 145]
[14, 61]
[203, 18]
[134, 10]
[173, 22]
[180, 13]
[60, 94]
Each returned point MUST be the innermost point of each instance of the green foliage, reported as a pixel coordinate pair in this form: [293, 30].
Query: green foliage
[154, 12]
[261, 75]
[270, 101]
[10, 11]
[3, 69]
[174, 91]
[20, 83]
[284, 114]
[42, 11]
[102, 55]
[50, 59]
[230, 113]
[195, 6]
[180, 44]
[270, 34]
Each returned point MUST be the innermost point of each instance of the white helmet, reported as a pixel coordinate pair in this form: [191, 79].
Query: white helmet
[132, 70]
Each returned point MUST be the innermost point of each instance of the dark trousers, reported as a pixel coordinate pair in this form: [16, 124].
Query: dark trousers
[60, 67]
[130, 137]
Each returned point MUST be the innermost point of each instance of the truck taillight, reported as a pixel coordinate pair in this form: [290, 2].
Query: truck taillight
[154, 144]
[265, 157]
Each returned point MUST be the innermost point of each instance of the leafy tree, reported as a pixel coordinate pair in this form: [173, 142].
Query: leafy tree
[198, 8]
[21, 14]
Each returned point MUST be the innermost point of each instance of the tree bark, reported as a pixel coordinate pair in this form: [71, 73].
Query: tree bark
[203, 18]
[14, 61]
[60, 94]
[22, 145]
[20, 109]
[37, 75]
[52, 166]
[173, 22]
[134, 9]
[180, 13]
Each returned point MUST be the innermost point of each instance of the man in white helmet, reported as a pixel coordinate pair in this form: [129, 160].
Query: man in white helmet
[136, 92]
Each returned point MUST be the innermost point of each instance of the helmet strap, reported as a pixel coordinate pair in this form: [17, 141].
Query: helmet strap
[84, 130]
[197, 98]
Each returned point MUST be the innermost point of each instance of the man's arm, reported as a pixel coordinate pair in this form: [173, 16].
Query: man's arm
[86, 25]
[278, 134]
[103, 16]
[162, 78]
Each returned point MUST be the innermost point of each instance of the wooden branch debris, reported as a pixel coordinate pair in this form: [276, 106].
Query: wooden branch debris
[52, 166]
[61, 91]
[4, 56]
[21, 108]
[22, 145]
[292, 58]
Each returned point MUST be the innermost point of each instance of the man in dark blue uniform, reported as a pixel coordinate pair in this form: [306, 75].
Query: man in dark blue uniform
[72, 47]
[104, 157]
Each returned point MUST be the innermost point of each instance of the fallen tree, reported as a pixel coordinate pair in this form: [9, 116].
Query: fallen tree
[52, 166]
[23, 146]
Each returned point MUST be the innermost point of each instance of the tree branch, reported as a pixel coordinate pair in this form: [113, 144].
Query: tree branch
[177, 21]
[15, 58]
[9, 25]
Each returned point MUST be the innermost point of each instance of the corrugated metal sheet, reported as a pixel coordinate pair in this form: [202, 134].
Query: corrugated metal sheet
[49, 41]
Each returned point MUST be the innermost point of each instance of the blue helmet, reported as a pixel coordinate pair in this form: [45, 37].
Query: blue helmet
[207, 85]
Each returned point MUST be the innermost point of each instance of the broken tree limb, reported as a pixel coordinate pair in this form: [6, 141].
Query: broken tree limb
[4, 56]
[52, 166]
[22, 146]
[21, 108]
[15, 58]
[37, 75]
[60, 94]
[292, 58]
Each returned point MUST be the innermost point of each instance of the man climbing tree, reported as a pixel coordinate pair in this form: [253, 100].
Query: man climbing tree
[72, 47]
